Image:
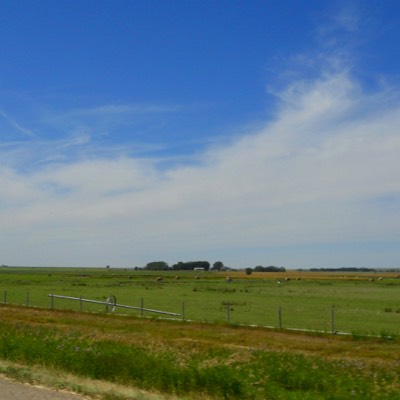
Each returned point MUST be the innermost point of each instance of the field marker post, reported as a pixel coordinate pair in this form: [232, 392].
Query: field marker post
[228, 316]
[81, 302]
[141, 306]
[27, 299]
[52, 301]
[183, 311]
[333, 320]
[280, 316]
[5, 296]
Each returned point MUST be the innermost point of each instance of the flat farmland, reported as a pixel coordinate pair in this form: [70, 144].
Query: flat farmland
[363, 303]
[122, 356]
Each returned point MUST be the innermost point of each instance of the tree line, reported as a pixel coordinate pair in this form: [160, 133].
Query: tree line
[205, 266]
[344, 269]
[184, 266]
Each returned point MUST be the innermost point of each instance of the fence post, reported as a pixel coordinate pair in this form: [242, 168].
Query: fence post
[183, 311]
[141, 306]
[81, 303]
[333, 320]
[52, 301]
[5, 296]
[228, 316]
[280, 316]
[27, 299]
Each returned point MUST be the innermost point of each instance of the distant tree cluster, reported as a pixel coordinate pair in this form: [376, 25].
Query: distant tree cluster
[218, 266]
[271, 268]
[191, 265]
[204, 265]
[157, 266]
[182, 266]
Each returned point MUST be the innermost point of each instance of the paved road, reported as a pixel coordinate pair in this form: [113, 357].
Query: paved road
[10, 390]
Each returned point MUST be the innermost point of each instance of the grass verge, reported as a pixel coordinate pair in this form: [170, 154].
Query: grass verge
[213, 361]
[90, 388]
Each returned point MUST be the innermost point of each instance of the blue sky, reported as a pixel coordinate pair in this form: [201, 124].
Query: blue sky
[250, 132]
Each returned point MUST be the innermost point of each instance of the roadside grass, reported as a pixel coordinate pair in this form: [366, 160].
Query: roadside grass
[190, 360]
[66, 382]
[115, 362]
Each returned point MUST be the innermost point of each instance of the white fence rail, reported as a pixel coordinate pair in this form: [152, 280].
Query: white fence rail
[111, 303]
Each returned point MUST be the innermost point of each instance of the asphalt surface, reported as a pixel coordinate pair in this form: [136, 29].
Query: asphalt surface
[10, 390]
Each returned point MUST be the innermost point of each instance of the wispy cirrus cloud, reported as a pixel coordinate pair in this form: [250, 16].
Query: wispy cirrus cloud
[16, 126]
[78, 133]
[118, 109]
[33, 155]
[110, 115]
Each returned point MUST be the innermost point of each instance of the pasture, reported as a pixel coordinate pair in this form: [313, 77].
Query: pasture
[362, 304]
[126, 357]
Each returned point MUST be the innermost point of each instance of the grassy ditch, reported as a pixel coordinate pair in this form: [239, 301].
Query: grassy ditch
[208, 361]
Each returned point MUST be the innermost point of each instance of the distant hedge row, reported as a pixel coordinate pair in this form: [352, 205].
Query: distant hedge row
[180, 266]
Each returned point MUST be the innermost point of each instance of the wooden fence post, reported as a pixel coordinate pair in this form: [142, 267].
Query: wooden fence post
[141, 306]
[52, 301]
[333, 320]
[280, 316]
[183, 311]
[27, 299]
[81, 303]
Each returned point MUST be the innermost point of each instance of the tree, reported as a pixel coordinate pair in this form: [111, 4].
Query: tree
[157, 266]
[271, 268]
[191, 265]
[217, 266]
[248, 271]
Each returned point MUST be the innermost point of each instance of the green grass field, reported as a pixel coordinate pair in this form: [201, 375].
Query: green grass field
[360, 305]
[111, 357]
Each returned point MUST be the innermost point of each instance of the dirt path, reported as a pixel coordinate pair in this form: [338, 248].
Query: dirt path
[11, 390]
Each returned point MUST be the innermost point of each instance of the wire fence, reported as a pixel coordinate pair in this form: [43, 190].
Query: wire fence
[279, 318]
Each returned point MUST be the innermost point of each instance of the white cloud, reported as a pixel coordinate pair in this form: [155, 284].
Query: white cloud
[316, 174]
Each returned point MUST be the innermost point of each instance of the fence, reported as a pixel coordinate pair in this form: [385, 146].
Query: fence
[111, 305]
